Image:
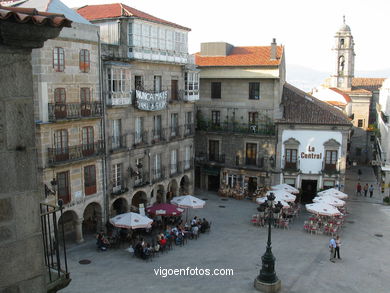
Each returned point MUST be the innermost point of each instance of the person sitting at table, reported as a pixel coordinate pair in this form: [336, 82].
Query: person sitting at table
[193, 222]
[195, 231]
[146, 252]
[138, 249]
[101, 242]
[204, 226]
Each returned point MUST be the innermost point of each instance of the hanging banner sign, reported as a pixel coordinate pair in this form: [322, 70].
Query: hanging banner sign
[151, 101]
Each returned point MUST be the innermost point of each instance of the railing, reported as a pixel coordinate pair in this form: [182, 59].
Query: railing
[141, 180]
[117, 142]
[189, 129]
[53, 238]
[74, 111]
[291, 166]
[217, 158]
[119, 188]
[140, 138]
[188, 164]
[159, 135]
[76, 152]
[158, 175]
[255, 129]
[329, 168]
[175, 169]
[174, 132]
[118, 98]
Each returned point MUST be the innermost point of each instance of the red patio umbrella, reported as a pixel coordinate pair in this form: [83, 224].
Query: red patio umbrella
[165, 209]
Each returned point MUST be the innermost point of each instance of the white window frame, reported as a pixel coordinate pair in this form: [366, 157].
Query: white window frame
[116, 177]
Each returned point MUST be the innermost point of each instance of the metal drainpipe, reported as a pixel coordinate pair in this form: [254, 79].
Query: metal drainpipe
[103, 137]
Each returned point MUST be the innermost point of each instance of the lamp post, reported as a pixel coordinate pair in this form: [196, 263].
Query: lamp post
[267, 281]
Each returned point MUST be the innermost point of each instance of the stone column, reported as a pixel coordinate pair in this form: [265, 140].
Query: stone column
[79, 230]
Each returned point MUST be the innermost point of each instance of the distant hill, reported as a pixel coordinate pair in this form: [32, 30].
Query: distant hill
[306, 78]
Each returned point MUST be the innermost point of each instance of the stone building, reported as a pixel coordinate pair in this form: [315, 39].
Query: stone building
[311, 144]
[240, 94]
[21, 247]
[149, 89]
[356, 96]
[68, 119]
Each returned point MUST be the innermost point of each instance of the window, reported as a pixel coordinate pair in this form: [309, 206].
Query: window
[254, 91]
[58, 59]
[116, 133]
[216, 118]
[63, 186]
[116, 177]
[251, 154]
[360, 123]
[118, 80]
[89, 179]
[252, 117]
[88, 144]
[138, 129]
[85, 101]
[61, 145]
[173, 161]
[290, 181]
[328, 184]
[174, 90]
[174, 124]
[84, 61]
[157, 166]
[188, 125]
[187, 158]
[215, 90]
[157, 83]
[157, 127]
[330, 160]
[191, 80]
[138, 82]
[291, 158]
[213, 150]
[60, 103]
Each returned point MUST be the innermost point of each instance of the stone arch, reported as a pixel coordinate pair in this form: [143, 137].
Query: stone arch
[184, 185]
[67, 226]
[159, 192]
[138, 198]
[172, 190]
[119, 206]
[92, 218]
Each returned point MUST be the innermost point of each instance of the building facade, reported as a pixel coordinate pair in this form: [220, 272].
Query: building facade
[312, 144]
[149, 88]
[356, 96]
[240, 94]
[68, 118]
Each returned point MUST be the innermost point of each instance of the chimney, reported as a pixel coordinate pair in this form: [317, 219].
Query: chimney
[273, 49]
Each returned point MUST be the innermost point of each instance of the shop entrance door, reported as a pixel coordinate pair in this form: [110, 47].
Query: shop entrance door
[309, 190]
[213, 183]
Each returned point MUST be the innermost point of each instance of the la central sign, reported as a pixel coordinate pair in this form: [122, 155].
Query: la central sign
[310, 154]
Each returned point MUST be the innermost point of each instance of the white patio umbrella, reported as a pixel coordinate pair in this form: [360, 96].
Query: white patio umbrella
[285, 187]
[131, 221]
[333, 201]
[333, 192]
[188, 201]
[261, 200]
[282, 195]
[322, 209]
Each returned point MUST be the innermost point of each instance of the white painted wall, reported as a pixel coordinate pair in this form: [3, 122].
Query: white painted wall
[314, 139]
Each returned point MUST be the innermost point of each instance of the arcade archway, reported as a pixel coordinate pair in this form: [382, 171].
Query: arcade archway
[67, 226]
[184, 185]
[172, 190]
[92, 218]
[138, 198]
[119, 206]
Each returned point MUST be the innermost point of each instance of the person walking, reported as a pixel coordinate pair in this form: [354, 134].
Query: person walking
[332, 249]
[371, 190]
[358, 189]
[365, 189]
[359, 174]
[337, 249]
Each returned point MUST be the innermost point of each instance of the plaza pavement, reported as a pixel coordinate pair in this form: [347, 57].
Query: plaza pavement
[302, 260]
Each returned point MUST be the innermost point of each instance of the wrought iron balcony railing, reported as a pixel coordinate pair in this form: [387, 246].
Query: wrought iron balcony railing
[75, 153]
[188, 164]
[175, 132]
[175, 169]
[189, 129]
[119, 188]
[217, 158]
[117, 142]
[291, 166]
[159, 135]
[74, 111]
[233, 127]
[158, 175]
[140, 138]
[141, 180]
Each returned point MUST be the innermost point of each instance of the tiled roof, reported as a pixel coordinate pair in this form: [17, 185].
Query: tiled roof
[31, 15]
[301, 108]
[358, 92]
[95, 12]
[370, 84]
[242, 56]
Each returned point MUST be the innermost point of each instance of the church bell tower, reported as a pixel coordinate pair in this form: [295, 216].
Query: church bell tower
[344, 58]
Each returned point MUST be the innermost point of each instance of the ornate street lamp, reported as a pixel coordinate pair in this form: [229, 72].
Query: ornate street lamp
[267, 281]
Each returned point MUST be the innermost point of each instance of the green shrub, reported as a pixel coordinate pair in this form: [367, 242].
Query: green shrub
[386, 199]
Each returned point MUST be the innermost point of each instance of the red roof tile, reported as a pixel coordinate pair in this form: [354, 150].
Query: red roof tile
[31, 15]
[346, 97]
[115, 10]
[242, 56]
[370, 84]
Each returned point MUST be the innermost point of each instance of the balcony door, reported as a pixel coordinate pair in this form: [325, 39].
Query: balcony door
[157, 127]
[174, 124]
[85, 102]
[251, 154]
[60, 103]
[138, 129]
[213, 150]
[173, 161]
[116, 133]
[88, 142]
[61, 145]
[63, 186]
[174, 90]
[330, 160]
[291, 159]
[157, 166]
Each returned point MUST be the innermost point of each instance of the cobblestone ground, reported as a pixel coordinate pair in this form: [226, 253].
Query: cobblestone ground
[302, 260]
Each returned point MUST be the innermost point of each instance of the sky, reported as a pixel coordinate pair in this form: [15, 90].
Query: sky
[305, 27]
